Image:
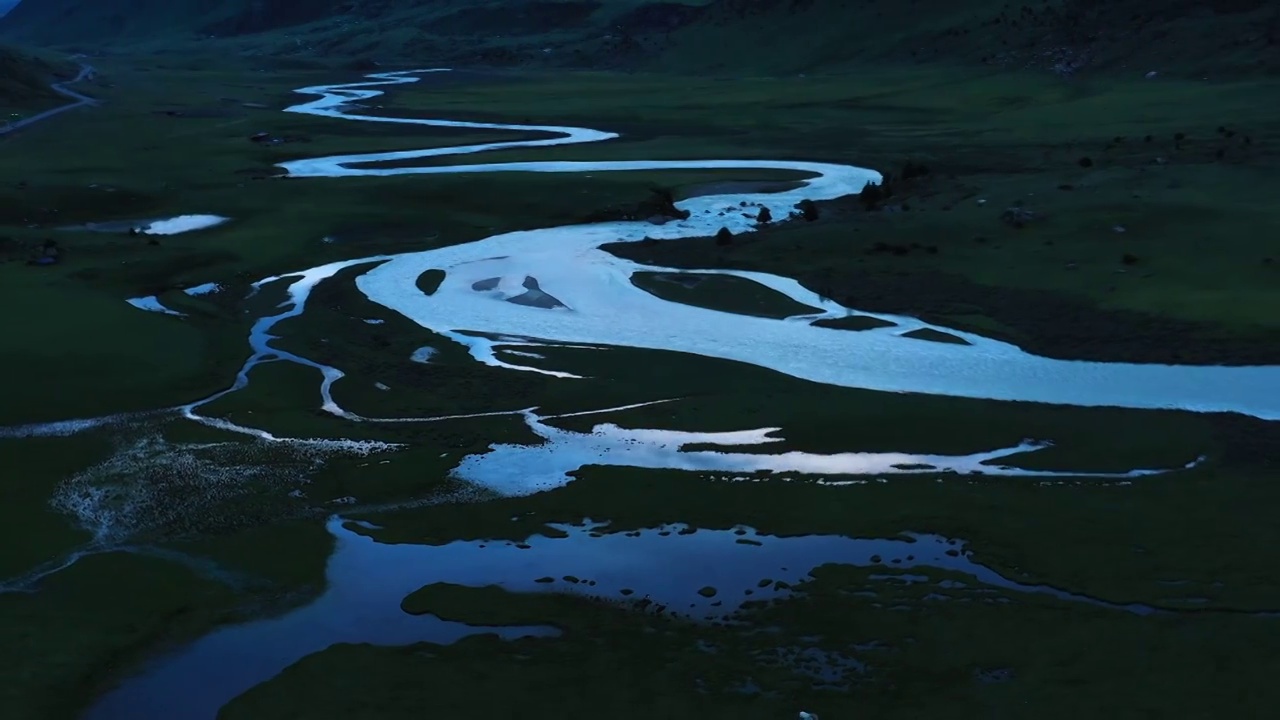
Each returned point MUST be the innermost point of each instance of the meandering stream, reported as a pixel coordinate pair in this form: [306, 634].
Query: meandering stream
[594, 291]
[695, 574]
[484, 304]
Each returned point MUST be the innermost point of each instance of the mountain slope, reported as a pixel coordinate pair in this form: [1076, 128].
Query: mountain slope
[25, 78]
[1189, 36]
[1066, 36]
[84, 21]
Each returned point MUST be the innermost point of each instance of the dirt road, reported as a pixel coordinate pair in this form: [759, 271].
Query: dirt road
[86, 72]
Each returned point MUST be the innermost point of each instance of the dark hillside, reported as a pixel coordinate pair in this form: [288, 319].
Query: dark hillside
[25, 78]
[1186, 37]
[1066, 36]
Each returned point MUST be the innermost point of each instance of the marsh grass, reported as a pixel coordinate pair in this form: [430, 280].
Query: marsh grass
[1196, 223]
[927, 652]
[1199, 225]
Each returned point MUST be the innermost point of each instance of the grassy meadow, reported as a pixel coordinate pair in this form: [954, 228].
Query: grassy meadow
[200, 528]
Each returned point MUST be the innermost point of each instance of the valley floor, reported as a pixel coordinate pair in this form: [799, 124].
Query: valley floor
[1100, 219]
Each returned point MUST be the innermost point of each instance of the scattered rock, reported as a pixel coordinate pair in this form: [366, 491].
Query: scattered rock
[808, 209]
[1129, 259]
[764, 216]
[872, 195]
[1085, 162]
[660, 204]
[1019, 217]
[724, 237]
[707, 592]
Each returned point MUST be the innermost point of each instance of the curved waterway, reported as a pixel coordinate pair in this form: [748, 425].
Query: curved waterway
[592, 291]
[556, 287]
[682, 571]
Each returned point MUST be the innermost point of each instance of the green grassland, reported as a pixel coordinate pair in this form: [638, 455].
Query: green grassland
[1201, 287]
[1201, 539]
[1197, 225]
[964, 659]
[129, 160]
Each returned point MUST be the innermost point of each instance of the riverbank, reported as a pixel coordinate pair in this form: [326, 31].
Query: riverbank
[1055, 286]
[1059, 216]
[199, 505]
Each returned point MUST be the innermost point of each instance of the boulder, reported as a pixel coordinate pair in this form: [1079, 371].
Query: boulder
[808, 209]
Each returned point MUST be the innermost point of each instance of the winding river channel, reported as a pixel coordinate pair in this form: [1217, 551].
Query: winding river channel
[593, 291]
[503, 296]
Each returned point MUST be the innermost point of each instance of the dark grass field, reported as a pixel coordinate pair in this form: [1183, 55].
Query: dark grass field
[1201, 289]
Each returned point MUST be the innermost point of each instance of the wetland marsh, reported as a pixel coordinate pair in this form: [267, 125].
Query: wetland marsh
[296, 456]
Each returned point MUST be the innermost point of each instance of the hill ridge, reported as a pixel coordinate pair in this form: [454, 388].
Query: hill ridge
[1063, 36]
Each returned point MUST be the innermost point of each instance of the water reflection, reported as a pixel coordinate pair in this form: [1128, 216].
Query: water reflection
[700, 574]
[511, 469]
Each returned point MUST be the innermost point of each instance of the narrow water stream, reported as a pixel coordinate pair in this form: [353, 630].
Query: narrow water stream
[593, 291]
[695, 574]
[483, 304]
